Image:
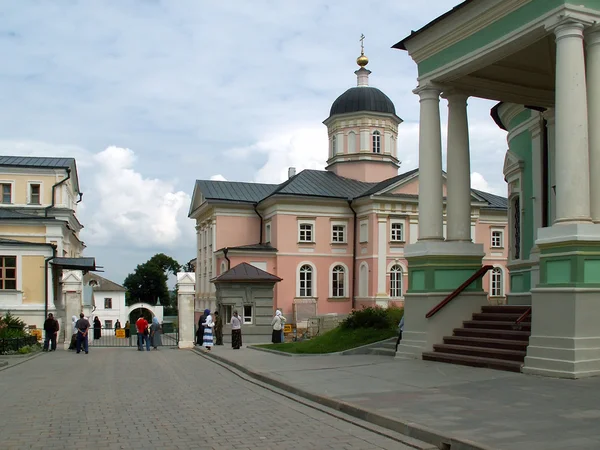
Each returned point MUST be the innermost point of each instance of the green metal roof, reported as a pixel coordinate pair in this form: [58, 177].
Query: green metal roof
[43, 162]
[234, 191]
[320, 183]
[14, 214]
[495, 201]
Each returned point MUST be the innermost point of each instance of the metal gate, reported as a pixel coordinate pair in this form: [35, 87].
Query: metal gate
[109, 337]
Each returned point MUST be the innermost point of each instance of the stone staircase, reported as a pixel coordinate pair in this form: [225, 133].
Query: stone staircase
[491, 339]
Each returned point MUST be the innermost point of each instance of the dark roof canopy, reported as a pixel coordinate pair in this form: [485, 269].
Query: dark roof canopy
[86, 263]
[246, 273]
[362, 98]
[251, 248]
[321, 183]
[234, 190]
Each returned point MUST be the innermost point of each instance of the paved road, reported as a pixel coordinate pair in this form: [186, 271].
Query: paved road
[116, 398]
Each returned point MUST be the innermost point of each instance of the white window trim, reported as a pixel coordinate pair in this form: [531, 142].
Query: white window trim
[41, 184]
[342, 224]
[360, 225]
[501, 269]
[374, 147]
[307, 222]
[402, 284]
[346, 278]
[314, 279]
[497, 230]
[244, 315]
[12, 192]
[268, 233]
[401, 222]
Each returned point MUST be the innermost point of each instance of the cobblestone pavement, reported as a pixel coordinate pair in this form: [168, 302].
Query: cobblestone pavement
[117, 398]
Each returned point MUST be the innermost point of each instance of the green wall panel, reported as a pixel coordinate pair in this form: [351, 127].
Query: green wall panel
[448, 280]
[558, 271]
[417, 280]
[591, 271]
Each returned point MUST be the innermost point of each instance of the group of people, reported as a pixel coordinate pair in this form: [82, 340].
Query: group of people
[79, 335]
[210, 330]
[148, 334]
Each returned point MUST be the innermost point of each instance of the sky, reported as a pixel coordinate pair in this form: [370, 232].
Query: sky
[150, 95]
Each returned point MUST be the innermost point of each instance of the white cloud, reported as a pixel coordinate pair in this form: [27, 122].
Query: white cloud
[480, 183]
[218, 177]
[129, 208]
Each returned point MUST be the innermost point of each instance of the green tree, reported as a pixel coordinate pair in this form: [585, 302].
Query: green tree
[148, 282]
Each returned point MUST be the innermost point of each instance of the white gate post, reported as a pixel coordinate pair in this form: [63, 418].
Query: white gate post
[186, 292]
[72, 289]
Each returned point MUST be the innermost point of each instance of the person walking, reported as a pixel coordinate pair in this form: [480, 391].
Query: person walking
[51, 328]
[142, 332]
[83, 326]
[208, 325]
[236, 331]
[155, 339]
[276, 324]
[73, 343]
[218, 329]
[200, 330]
[97, 328]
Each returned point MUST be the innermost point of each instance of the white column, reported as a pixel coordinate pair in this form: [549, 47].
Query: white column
[381, 255]
[458, 203]
[537, 145]
[185, 306]
[430, 165]
[572, 153]
[593, 98]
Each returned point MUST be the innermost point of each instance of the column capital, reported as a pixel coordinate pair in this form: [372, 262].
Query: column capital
[592, 36]
[428, 92]
[568, 27]
[454, 95]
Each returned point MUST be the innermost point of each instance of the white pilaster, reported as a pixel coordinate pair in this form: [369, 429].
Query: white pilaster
[365, 140]
[185, 304]
[572, 153]
[458, 202]
[593, 97]
[537, 145]
[381, 255]
[549, 116]
[430, 165]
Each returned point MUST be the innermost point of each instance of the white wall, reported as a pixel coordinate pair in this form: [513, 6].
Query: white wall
[118, 310]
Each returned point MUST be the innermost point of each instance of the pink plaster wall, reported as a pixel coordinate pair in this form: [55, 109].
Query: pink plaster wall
[412, 188]
[367, 171]
[237, 230]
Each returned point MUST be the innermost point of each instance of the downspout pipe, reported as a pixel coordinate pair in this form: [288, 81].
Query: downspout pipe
[54, 192]
[225, 251]
[46, 281]
[352, 296]
[80, 198]
[262, 220]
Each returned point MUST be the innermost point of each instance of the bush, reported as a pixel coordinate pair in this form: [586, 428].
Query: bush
[12, 327]
[373, 317]
[24, 350]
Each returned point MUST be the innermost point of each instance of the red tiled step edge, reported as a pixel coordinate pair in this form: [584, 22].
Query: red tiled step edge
[509, 344]
[494, 334]
[496, 325]
[496, 353]
[473, 361]
[504, 309]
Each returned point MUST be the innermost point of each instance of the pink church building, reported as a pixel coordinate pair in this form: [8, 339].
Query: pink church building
[335, 237]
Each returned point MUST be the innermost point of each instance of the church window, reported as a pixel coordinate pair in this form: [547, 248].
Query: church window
[305, 232]
[397, 232]
[396, 281]
[496, 282]
[338, 234]
[338, 281]
[267, 233]
[376, 142]
[305, 285]
[352, 142]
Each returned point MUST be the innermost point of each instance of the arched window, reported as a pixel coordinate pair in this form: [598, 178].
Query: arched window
[305, 281]
[396, 281]
[352, 142]
[363, 285]
[376, 142]
[496, 283]
[333, 145]
[338, 281]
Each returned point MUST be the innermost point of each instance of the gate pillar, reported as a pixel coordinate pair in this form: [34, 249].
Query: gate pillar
[186, 292]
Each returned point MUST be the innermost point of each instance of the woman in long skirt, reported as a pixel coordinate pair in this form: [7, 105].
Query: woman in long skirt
[208, 330]
[236, 331]
[97, 328]
[276, 323]
[155, 339]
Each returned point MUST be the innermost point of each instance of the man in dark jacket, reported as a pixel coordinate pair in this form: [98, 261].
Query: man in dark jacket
[82, 326]
[51, 328]
[200, 330]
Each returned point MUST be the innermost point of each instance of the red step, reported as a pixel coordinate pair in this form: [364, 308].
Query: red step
[504, 309]
[494, 334]
[497, 353]
[509, 344]
[473, 361]
[508, 317]
[496, 325]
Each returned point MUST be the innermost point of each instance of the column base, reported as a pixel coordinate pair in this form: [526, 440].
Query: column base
[565, 337]
[421, 334]
[185, 344]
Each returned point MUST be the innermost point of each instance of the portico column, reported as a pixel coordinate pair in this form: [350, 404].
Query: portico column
[430, 165]
[593, 97]
[458, 203]
[571, 132]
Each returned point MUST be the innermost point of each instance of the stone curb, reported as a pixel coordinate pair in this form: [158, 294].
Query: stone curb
[350, 351]
[21, 358]
[410, 429]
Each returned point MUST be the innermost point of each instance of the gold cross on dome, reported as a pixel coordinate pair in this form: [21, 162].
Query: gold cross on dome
[362, 47]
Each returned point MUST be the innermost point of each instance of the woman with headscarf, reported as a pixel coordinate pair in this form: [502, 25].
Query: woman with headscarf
[127, 328]
[236, 331]
[155, 339]
[73, 343]
[218, 329]
[208, 325]
[97, 328]
[200, 330]
[277, 324]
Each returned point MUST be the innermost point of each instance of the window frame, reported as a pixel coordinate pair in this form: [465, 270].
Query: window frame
[250, 318]
[333, 145]
[337, 270]
[335, 233]
[30, 185]
[109, 304]
[305, 222]
[376, 142]
[11, 184]
[396, 272]
[497, 282]
[402, 230]
[309, 292]
[3, 277]
[501, 238]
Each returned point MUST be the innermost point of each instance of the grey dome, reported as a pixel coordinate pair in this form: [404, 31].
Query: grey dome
[364, 98]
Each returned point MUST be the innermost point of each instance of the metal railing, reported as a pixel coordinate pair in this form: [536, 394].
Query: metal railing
[110, 337]
[8, 344]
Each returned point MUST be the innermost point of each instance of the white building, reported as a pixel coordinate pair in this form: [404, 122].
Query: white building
[107, 300]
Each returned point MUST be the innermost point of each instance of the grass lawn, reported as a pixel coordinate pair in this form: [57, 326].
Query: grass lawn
[336, 340]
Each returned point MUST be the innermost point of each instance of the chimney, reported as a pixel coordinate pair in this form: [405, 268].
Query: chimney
[291, 172]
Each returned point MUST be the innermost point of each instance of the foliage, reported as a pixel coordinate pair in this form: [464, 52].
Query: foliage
[148, 282]
[12, 327]
[336, 340]
[188, 267]
[373, 317]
